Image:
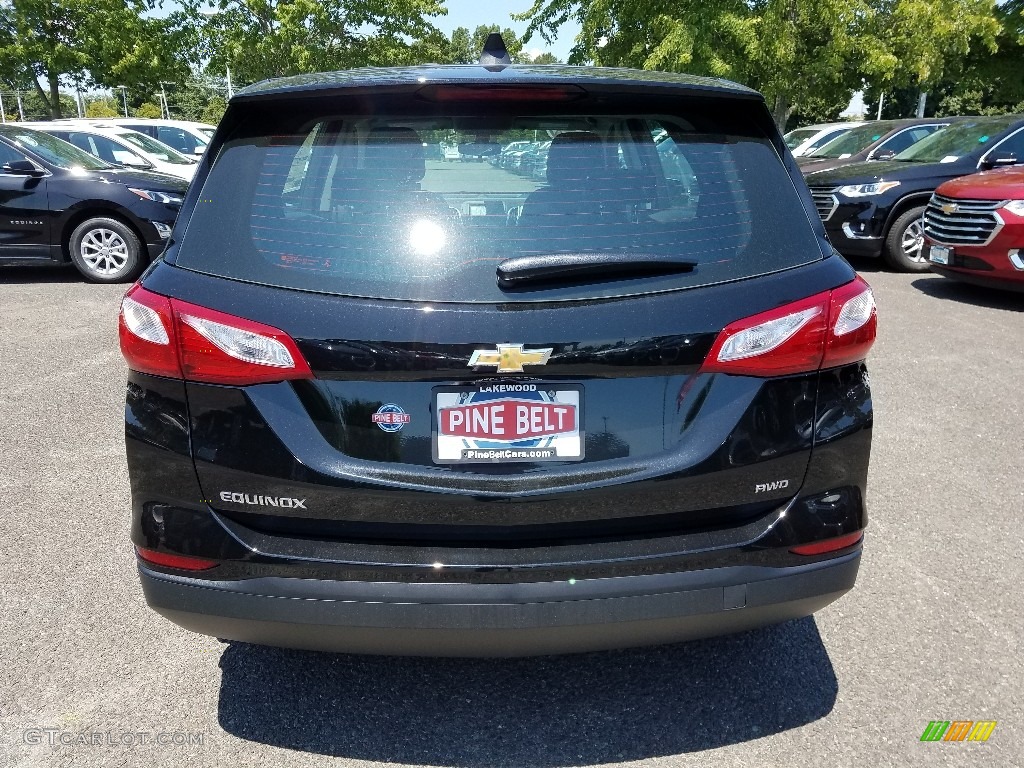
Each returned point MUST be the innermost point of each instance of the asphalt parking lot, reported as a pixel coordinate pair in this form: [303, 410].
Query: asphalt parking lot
[933, 631]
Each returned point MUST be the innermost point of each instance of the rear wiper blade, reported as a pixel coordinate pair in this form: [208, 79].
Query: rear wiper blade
[565, 267]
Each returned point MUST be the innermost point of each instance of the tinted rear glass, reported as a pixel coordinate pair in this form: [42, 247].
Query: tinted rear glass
[424, 201]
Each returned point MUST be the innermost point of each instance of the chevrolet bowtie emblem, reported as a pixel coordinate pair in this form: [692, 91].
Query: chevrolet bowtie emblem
[950, 208]
[509, 358]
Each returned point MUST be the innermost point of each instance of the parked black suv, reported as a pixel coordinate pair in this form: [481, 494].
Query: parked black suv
[389, 405]
[875, 208]
[60, 205]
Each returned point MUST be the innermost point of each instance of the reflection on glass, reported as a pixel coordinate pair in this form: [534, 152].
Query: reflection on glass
[426, 238]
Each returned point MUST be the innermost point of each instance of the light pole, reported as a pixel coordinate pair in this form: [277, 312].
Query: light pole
[124, 98]
[209, 13]
[163, 94]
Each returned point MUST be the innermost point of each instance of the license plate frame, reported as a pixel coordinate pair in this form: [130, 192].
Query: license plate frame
[940, 254]
[542, 399]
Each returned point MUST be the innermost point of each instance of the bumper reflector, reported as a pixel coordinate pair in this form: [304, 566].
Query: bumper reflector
[167, 560]
[828, 545]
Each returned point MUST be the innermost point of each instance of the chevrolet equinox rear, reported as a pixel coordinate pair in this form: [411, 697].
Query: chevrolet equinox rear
[380, 403]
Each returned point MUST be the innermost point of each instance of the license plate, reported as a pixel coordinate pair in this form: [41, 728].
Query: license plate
[502, 423]
[940, 254]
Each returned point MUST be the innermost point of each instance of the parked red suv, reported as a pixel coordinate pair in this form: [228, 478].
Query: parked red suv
[974, 228]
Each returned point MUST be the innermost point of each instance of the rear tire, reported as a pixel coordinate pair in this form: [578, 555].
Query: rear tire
[106, 250]
[904, 246]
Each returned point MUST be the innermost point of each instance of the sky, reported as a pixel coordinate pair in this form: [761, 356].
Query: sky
[473, 13]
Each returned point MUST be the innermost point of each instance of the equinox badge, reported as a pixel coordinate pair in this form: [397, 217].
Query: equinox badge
[509, 358]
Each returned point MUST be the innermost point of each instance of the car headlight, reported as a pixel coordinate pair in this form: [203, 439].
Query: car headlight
[866, 190]
[1015, 207]
[157, 197]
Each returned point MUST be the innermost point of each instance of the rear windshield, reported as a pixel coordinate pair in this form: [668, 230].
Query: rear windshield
[950, 144]
[426, 206]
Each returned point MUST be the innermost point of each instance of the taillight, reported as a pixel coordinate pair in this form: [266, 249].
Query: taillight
[174, 338]
[146, 331]
[853, 324]
[825, 330]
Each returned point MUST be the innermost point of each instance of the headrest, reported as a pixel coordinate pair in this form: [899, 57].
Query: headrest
[573, 157]
[394, 157]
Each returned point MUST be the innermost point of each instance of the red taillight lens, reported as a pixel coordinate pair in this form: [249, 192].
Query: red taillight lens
[224, 349]
[146, 333]
[168, 560]
[828, 329]
[828, 545]
[169, 337]
[853, 324]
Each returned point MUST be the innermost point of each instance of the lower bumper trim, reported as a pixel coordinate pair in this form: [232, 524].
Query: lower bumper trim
[474, 620]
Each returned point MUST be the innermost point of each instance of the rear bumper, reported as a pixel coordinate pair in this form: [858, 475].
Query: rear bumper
[438, 619]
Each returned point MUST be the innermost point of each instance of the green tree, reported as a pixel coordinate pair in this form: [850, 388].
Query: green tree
[797, 52]
[147, 109]
[982, 82]
[465, 47]
[102, 108]
[213, 111]
[546, 58]
[258, 39]
[83, 43]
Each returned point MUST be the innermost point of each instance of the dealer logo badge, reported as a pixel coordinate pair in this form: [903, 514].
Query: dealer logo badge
[391, 417]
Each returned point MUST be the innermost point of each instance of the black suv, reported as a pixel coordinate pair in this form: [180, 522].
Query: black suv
[60, 205]
[875, 208]
[384, 404]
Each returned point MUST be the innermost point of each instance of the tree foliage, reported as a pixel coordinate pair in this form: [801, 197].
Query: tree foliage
[797, 52]
[85, 43]
[465, 47]
[258, 39]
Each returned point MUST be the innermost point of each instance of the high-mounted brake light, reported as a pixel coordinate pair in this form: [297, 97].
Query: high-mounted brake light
[168, 337]
[446, 93]
[828, 329]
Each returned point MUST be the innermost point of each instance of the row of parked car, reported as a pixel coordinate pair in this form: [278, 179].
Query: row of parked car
[939, 193]
[99, 194]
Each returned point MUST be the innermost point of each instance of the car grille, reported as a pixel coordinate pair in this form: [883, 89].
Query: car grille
[825, 201]
[961, 222]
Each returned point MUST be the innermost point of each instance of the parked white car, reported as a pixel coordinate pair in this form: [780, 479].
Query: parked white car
[186, 136]
[803, 141]
[116, 144]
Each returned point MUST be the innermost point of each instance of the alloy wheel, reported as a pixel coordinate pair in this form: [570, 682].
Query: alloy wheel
[104, 251]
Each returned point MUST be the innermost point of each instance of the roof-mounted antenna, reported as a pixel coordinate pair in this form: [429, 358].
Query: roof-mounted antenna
[495, 56]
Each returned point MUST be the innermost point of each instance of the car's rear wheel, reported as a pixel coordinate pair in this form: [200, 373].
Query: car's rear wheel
[904, 247]
[106, 250]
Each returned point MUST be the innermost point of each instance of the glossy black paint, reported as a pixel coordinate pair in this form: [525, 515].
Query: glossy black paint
[651, 526]
[38, 213]
[698, 482]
